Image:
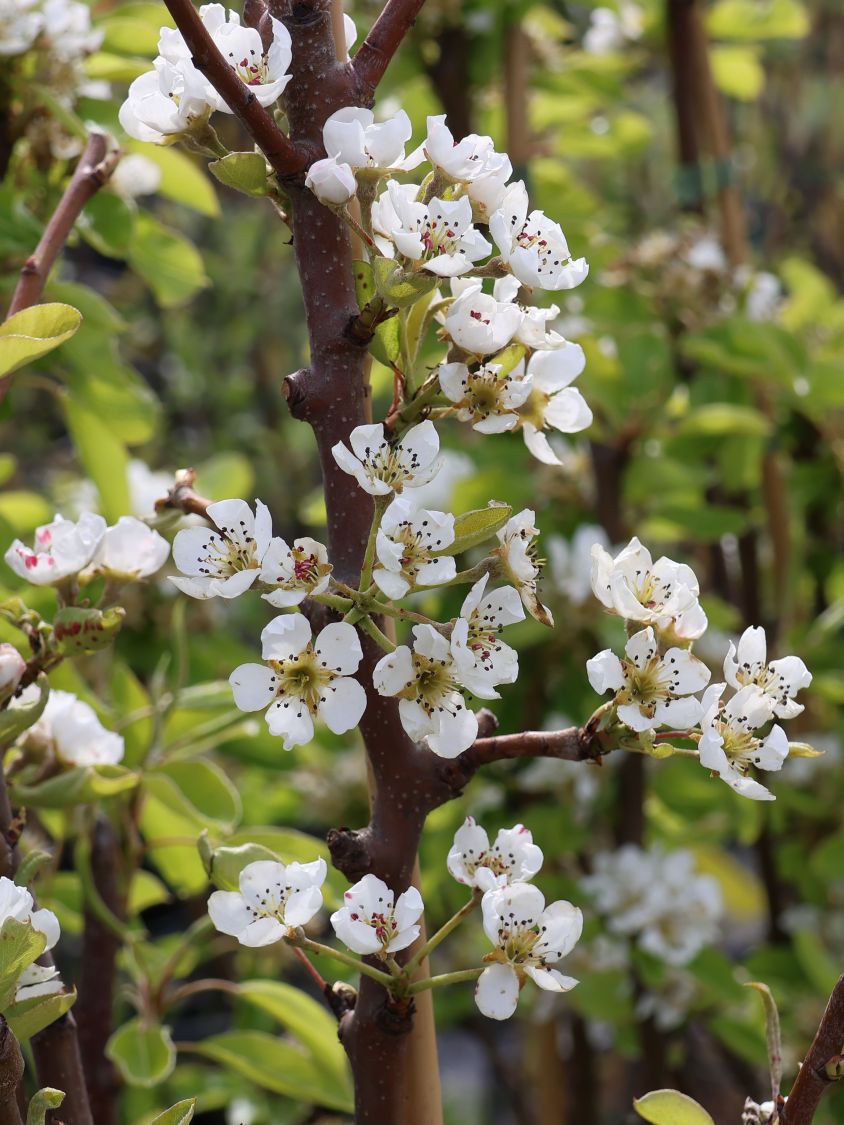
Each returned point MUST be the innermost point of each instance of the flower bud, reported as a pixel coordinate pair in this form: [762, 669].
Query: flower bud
[330, 181]
[12, 667]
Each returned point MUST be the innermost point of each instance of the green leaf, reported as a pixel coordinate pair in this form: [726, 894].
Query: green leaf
[34, 332]
[473, 528]
[670, 1107]
[40, 1103]
[397, 287]
[748, 19]
[305, 1019]
[718, 419]
[20, 944]
[182, 180]
[130, 698]
[179, 1114]
[15, 720]
[170, 264]
[78, 786]
[243, 171]
[738, 71]
[146, 890]
[196, 789]
[273, 1064]
[28, 1017]
[107, 224]
[365, 288]
[772, 1032]
[103, 457]
[144, 1054]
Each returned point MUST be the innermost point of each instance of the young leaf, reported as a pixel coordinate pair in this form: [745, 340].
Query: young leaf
[31, 333]
[473, 528]
[243, 171]
[170, 264]
[80, 785]
[772, 1034]
[20, 944]
[144, 1054]
[670, 1107]
[179, 1114]
[27, 1017]
[40, 1103]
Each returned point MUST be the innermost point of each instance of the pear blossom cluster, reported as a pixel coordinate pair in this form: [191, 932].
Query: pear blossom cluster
[67, 551]
[657, 899]
[274, 901]
[658, 683]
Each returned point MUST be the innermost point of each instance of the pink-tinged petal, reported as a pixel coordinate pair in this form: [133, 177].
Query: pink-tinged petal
[497, 992]
[342, 704]
[254, 686]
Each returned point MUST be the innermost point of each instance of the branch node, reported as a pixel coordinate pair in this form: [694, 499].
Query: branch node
[341, 998]
[350, 851]
[295, 392]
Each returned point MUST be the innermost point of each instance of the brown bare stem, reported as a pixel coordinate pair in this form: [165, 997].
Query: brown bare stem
[382, 42]
[11, 1073]
[812, 1081]
[284, 157]
[183, 498]
[93, 170]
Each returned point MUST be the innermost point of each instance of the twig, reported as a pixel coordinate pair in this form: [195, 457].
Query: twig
[182, 497]
[11, 1073]
[813, 1081]
[384, 39]
[285, 158]
[93, 170]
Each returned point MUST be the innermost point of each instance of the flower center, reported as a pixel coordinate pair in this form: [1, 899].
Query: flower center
[386, 464]
[433, 684]
[303, 677]
[252, 68]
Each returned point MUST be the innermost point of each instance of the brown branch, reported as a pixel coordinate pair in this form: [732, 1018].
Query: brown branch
[812, 1081]
[285, 158]
[384, 39]
[93, 170]
[11, 1073]
[100, 947]
[182, 498]
[59, 1064]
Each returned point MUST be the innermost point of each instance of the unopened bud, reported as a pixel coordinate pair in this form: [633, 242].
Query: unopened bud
[12, 668]
[87, 630]
[331, 182]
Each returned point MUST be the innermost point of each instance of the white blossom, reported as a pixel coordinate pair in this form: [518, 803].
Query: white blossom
[20, 25]
[513, 858]
[302, 679]
[609, 30]
[534, 247]
[146, 485]
[135, 175]
[486, 394]
[406, 547]
[781, 679]
[651, 690]
[264, 72]
[463, 161]
[758, 1113]
[729, 745]
[224, 562]
[662, 593]
[62, 549]
[16, 902]
[71, 728]
[12, 668]
[518, 560]
[373, 922]
[295, 572]
[67, 26]
[381, 467]
[570, 562]
[529, 939]
[438, 236]
[356, 139]
[130, 549]
[331, 182]
[487, 190]
[483, 659]
[167, 101]
[273, 899]
[552, 402]
[426, 681]
[480, 324]
[658, 898]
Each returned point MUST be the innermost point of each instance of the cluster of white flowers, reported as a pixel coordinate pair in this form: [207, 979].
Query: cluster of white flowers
[304, 677]
[657, 682]
[528, 937]
[658, 899]
[66, 551]
[61, 26]
[16, 902]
